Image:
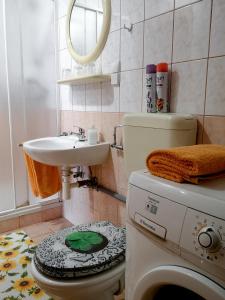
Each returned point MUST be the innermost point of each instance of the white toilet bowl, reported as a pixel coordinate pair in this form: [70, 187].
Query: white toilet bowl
[100, 287]
[84, 262]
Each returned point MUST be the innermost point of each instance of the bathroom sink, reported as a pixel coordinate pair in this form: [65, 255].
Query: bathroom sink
[66, 151]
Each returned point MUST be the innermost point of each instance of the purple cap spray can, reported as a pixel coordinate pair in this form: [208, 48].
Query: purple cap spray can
[151, 88]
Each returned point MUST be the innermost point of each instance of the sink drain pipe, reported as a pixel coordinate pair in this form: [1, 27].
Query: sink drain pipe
[90, 183]
[66, 185]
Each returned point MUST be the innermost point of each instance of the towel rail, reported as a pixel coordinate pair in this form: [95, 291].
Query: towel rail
[115, 145]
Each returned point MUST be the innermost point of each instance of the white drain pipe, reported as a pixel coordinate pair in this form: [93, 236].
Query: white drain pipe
[66, 183]
[66, 172]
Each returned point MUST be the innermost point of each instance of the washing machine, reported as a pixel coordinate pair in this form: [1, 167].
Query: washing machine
[175, 239]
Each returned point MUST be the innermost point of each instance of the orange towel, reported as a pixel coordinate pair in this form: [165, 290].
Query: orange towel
[189, 163]
[44, 179]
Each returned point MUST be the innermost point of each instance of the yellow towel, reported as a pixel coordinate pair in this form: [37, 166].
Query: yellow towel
[45, 180]
[189, 163]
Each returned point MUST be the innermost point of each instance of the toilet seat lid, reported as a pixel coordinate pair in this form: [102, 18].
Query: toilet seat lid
[81, 250]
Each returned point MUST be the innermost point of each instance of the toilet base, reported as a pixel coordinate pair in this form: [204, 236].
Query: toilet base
[108, 295]
[98, 297]
[101, 287]
[102, 297]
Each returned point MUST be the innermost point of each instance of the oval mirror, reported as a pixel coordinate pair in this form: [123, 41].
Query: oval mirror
[87, 28]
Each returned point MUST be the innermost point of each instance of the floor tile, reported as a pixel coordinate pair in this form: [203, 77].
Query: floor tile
[37, 229]
[8, 225]
[59, 224]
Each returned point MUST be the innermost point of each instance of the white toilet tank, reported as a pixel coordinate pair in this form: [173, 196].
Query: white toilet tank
[142, 133]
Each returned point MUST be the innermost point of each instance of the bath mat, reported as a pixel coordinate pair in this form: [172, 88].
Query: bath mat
[16, 282]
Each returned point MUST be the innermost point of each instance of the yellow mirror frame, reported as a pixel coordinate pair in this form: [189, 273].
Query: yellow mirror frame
[85, 59]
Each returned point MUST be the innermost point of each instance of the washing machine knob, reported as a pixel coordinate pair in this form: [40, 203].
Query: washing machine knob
[208, 238]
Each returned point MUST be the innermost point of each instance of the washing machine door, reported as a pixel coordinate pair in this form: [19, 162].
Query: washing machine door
[174, 282]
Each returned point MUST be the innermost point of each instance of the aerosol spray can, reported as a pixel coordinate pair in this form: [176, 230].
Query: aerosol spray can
[151, 88]
[162, 102]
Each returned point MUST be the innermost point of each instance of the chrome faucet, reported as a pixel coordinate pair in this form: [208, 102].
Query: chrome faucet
[80, 133]
[64, 133]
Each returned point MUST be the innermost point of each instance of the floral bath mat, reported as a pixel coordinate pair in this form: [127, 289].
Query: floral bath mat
[16, 282]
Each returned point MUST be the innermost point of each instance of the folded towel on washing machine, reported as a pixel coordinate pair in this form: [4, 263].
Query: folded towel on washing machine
[189, 163]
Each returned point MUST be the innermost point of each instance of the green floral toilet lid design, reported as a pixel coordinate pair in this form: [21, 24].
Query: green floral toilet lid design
[81, 250]
[86, 241]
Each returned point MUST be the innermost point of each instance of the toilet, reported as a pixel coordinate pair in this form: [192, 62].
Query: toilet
[87, 261]
[82, 262]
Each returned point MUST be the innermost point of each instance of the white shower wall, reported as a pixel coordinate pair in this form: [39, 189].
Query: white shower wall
[6, 174]
[28, 98]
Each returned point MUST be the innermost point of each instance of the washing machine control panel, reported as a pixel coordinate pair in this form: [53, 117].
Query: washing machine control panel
[204, 236]
[154, 214]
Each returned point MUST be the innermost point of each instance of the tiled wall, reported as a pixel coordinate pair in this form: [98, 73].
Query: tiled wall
[188, 34]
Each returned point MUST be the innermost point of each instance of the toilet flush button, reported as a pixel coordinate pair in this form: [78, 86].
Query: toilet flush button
[150, 226]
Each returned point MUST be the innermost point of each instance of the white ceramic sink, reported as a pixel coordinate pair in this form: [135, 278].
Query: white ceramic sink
[66, 151]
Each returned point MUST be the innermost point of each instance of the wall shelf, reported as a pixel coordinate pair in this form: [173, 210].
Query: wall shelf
[78, 80]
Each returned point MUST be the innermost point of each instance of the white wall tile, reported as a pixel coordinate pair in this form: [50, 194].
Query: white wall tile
[217, 42]
[132, 11]
[158, 39]
[62, 7]
[110, 97]
[215, 98]
[191, 31]
[62, 33]
[132, 47]
[179, 3]
[65, 61]
[66, 101]
[131, 91]
[78, 97]
[191, 40]
[155, 7]
[111, 53]
[115, 18]
[188, 87]
[74, 66]
[93, 97]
